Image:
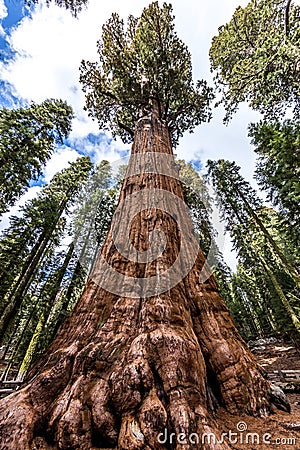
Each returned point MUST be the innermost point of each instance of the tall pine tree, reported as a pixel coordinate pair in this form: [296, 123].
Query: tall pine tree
[278, 166]
[38, 222]
[257, 244]
[27, 139]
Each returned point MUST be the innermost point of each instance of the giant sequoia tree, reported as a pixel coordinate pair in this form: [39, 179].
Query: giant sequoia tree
[150, 346]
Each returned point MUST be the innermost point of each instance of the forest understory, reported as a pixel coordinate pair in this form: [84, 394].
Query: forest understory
[284, 427]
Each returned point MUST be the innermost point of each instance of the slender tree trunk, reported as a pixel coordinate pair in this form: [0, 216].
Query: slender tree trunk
[47, 306]
[258, 308]
[21, 332]
[31, 349]
[77, 282]
[8, 277]
[142, 353]
[254, 318]
[16, 296]
[285, 302]
[260, 225]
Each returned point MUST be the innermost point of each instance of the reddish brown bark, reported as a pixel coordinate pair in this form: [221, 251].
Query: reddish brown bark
[126, 367]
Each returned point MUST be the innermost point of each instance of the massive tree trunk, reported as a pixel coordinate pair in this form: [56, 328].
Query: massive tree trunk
[150, 347]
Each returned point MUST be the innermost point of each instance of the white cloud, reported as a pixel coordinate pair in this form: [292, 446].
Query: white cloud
[3, 10]
[15, 210]
[50, 47]
[3, 14]
[103, 148]
[58, 161]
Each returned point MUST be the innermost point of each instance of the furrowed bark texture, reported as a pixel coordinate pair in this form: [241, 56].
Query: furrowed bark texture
[124, 368]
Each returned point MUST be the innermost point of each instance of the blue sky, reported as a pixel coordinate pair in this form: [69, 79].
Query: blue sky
[41, 51]
[11, 13]
[15, 12]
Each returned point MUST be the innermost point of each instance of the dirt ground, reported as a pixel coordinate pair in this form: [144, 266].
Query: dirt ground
[280, 430]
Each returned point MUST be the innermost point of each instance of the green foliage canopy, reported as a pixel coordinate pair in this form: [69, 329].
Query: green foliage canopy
[139, 65]
[257, 58]
[278, 167]
[231, 189]
[27, 138]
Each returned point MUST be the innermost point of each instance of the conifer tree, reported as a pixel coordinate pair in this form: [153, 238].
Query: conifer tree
[258, 247]
[27, 139]
[94, 208]
[256, 58]
[61, 276]
[250, 304]
[40, 218]
[16, 341]
[278, 166]
[239, 202]
[49, 293]
[197, 198]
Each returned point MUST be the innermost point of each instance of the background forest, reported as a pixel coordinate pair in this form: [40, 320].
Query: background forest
[49, 246]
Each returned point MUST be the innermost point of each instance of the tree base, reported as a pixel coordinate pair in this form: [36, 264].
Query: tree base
[155, 368]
